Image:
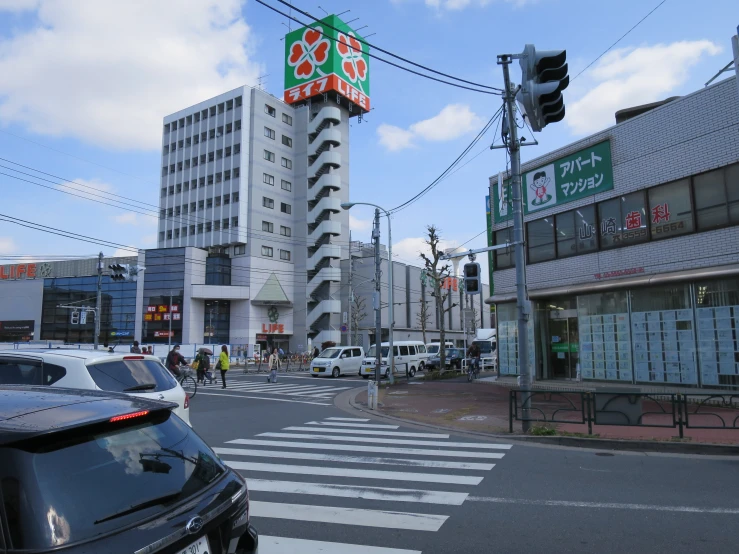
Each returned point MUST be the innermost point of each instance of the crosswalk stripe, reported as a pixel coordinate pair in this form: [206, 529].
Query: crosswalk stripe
[370, 432]
[328, 389]
[377, 449]
[352, 425]
[348, 516]
[282, 545]
[272, 386]
[350, 459]
[354, 491]
[358, 473]
[357, 419]
[263, 398]
[386, 440]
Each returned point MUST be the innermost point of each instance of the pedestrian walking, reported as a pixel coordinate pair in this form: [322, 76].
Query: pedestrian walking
[315, 352]
[274, 365]
[135, 349]
[222, 364]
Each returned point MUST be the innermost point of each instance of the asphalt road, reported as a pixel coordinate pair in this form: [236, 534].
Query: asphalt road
[324, 480]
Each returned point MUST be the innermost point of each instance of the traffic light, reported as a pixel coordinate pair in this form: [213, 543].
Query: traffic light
[543, 78]
[75, 320]
[124, 272]
[472, 278]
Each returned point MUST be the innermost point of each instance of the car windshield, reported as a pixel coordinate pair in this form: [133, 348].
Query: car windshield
[486, 346]
[451, 351]
[131, 375]
[372, 352]
[433, 349]
[112, 477]
[330, 353]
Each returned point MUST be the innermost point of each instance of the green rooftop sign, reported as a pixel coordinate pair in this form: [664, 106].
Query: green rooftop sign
[584, 173]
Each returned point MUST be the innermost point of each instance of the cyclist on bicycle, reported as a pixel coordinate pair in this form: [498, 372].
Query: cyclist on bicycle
[174, 360]
[473, 352]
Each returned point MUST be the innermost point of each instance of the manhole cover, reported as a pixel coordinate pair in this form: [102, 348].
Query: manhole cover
[603, 454]
[473, 418]
[441, 411]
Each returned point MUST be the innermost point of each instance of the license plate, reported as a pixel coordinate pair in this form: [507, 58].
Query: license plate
[316, 370]
[200, 546]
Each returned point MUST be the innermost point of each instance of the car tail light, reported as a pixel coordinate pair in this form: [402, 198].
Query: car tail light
[129, 416]
[187, 401]
[133, 357]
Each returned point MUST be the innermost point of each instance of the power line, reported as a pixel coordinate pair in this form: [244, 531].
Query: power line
[382, 59]
[306, 14]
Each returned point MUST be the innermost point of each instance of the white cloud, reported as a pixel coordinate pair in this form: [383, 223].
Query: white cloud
[91, 189]
[452, 122]
[7, 246]
[632, 76]
[360, 225]
[149, 241]
[124, 253]
[454, 5]
[106, 72]
[409, 249]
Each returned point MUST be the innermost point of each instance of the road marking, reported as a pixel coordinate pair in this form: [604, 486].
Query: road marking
[362, 425]
[378, 449]
[605, 505]
[282, 545]
[274, 387]
[265, 398]
[346, 419]
[386, 440]
[351, 459]
[358, 473]
[348, 516]
[368, 432]
[353, 491]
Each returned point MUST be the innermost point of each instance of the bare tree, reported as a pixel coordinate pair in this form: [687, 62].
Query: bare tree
[423, 317]
[359, 313]
[437, 271]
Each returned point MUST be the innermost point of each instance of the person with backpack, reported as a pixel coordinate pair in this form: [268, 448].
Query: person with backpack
[274, 365]
[222, 365]
[202, 365]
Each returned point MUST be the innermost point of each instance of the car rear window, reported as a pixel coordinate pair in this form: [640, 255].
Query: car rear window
[20, 371]
[131, 376]
[106, 473]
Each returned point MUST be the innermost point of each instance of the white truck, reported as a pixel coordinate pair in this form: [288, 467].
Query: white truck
[486, 340]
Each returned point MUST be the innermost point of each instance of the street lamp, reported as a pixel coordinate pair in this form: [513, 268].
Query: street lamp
[378, 341]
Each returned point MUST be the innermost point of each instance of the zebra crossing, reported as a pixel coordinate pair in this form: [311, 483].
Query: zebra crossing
[345, 471]
[287, 389]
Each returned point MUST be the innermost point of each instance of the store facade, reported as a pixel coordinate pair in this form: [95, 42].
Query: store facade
[632, 250]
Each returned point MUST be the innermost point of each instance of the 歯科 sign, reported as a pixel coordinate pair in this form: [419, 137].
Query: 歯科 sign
[326, 57]
[584, 173]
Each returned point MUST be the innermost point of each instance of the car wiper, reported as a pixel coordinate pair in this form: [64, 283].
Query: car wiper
[142, 506]
[145, 386]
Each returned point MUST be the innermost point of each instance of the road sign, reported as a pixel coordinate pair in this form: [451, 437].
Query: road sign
[344, 328]
[469, 317]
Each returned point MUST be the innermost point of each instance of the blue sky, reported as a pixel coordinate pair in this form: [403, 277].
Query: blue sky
[85, 85]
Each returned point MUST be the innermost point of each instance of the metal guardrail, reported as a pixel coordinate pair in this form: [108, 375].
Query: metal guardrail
[633, 409]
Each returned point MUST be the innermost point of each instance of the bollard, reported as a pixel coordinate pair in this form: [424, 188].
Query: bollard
[372, 395]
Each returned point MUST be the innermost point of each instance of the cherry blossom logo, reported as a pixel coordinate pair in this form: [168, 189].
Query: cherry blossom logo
[309, 53]
[353, 63]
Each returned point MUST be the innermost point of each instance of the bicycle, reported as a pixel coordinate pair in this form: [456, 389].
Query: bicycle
[473, 367]
[188, 383]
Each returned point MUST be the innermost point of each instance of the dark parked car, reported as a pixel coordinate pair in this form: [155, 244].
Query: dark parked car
[98, 472]
[454, 357]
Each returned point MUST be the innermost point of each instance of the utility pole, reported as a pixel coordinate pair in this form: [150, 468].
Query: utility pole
[378, 298]
[210, 325]
[98, 302]
[522, 303]
[169, 334]
[351, 291]
[391, 302]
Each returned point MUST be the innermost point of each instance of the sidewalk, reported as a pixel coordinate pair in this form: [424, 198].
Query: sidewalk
[483, 406]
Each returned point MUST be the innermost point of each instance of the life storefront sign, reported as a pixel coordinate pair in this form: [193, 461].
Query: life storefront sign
[273, 328]
[18, 271]
[586, 172]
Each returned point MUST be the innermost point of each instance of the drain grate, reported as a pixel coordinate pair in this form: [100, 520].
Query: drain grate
[604, 454]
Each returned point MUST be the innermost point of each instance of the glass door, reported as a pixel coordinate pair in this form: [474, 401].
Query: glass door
[564, 347]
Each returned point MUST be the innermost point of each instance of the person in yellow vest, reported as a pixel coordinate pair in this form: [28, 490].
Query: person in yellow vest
[223, 364]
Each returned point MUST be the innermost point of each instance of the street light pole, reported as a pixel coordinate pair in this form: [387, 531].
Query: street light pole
[378, 298]
[98, 302]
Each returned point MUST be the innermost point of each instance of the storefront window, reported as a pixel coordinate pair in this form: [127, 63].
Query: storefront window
[540, 240]
[623, 220]
[670, 210]
[662, 335]
[717, 304]
[504, 256]
[576, 232]
[605, 342]
[508, 339]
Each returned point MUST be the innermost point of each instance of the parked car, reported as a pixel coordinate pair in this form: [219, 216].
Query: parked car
[337, 361]
[410, 355]
[135, 374]
[111, 472]
[453, 359]
[433, 348]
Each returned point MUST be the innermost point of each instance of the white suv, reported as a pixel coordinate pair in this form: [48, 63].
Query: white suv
[134, 374]
[338, 360]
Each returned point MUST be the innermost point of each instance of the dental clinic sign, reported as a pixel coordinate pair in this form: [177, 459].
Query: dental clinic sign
[327, 57]
[584, 173]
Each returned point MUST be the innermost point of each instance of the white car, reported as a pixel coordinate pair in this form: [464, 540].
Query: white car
[337, 360]
[408, 356]
[134, 374]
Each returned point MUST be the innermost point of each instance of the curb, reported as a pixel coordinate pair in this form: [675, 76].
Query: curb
[663, 447]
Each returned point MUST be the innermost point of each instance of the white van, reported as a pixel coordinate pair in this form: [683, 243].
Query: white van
[410, 352]
[337, 361]
[433, 348]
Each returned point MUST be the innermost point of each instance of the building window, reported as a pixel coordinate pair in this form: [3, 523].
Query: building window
[176, 233]
[194, 184]
[234, 197]
[239, 250]
[237, 172]
[192, 229]
[227, 153]
[165, 149]
[179, 166]
[285, 231]
[174, 125]
[164, 191]
[219, 177]
[238, 101]
[212, 134]
[229, 105]
[171, 169]
[288, 164]
[203, 136]
[196, 139]
[188, 141]
[504, 256]
[237, 148]
[237, 125]
[208, 227]
[670, 209]
[193, 207]
[165, 171]
[287, 185]
[219, 154]
[169, 212]
[623, 220]
[269, 179]
[267, 251]
[268, 202]
[211, 156]
[224, 224]
[216, 225]
[177, 211]
[200, 228]
[171, 190]
[186, 186]
[287, 141]
[210, 179]
[286, 208]
[226, 199]
[161, 236]
[209, 203]
[166, 128]
[285, 255]
[576, 232]
[269, 110]
[717, 197]
[227, 175]
[218, 201]
[178, 188]
[234, 222]
[268, 227]
[269, 156]
[269, 133]
[184, 208]
[203, 159]
[201, 205]
[287, 119]
[229, 128]
[212, 111]
[169, 235]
